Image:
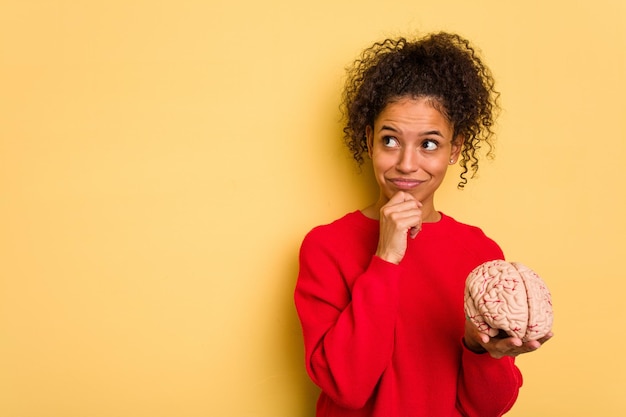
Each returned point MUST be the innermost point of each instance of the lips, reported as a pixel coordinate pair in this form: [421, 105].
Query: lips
[404, 183]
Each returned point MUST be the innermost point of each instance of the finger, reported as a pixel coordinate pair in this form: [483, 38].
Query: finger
[545, 338]
[409, 197]
[402, 196]
[475, 332]
[401, 205]
[527, 347]
[510, 346]
[399, 197]
[404, 212]
[409, 222]
[506, 345]
[403, 216]
[515, 342]
[400, 209]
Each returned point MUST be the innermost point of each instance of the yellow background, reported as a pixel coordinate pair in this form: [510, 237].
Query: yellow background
[160, 162]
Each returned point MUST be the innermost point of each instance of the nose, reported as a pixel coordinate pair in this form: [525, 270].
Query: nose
[408, 161]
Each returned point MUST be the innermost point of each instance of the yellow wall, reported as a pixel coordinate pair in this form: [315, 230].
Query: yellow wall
[160, 162]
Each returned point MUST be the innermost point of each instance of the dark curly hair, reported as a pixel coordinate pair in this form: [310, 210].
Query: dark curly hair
[443, 67]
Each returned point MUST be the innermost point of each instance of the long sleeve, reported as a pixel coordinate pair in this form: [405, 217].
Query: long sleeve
[384, 340]
[487, 387]
[348, 332]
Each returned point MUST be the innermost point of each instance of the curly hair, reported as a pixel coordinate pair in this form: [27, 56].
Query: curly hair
[443, 67]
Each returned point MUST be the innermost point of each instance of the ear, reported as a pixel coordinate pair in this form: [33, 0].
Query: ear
[369, 137]
[455, 149]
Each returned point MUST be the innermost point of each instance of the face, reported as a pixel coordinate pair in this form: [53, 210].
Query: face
[411, 147]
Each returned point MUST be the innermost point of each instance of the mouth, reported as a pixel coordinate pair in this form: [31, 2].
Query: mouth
[404, 183]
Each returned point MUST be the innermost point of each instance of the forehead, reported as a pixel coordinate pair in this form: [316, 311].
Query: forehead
[415, 113]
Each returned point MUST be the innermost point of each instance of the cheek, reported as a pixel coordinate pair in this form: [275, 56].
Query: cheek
[438, 165]
[434, 172]
[382, 161]
[380, 167]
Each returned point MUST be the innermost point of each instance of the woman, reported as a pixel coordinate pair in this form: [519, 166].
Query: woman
[380, 291]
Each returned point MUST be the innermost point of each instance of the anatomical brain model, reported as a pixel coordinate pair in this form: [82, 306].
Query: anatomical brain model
[508, 296]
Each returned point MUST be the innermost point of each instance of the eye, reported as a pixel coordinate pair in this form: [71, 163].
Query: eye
[430, 145]
[390, 142]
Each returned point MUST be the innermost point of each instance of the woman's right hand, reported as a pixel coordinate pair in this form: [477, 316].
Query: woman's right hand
[399, 217]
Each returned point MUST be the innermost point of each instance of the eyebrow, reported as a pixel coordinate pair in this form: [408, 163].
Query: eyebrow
[428, 133]
[385, 127]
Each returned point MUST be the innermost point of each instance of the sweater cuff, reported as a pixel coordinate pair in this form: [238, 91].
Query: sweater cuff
[388, 269]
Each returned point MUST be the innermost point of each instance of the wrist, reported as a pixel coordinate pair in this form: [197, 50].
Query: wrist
[389, 257]
[390, 254]
[475, 348]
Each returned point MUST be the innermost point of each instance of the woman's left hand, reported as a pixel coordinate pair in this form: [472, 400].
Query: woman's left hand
[501, 345]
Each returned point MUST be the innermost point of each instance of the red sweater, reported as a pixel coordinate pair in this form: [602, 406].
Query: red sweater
[386, 340]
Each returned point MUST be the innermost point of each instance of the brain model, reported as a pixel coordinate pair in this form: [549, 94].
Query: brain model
[508, 296]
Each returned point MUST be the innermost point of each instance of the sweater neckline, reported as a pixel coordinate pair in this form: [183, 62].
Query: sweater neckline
[367, 220]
